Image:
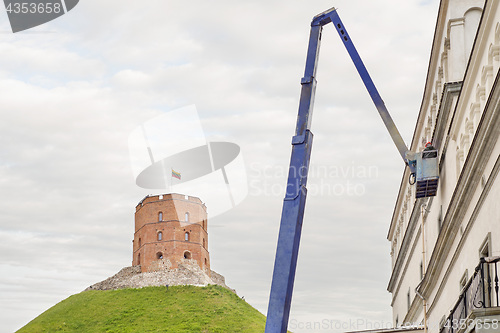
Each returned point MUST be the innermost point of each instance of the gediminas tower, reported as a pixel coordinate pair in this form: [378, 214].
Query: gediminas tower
[170, 229]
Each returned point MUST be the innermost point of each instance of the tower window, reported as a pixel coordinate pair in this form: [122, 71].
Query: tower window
[159, 255]
[187, 255]
[139, 242]
[186, 217]
[160, 236]
[139, 259]
[203, 242]
[160, 216]
[186, 236]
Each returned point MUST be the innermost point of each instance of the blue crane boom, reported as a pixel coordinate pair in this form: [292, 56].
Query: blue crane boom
[425, 174]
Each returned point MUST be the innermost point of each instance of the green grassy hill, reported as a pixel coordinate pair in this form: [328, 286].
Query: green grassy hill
[152, 309]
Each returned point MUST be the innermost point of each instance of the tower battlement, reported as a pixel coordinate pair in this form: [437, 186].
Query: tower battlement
[170, 229]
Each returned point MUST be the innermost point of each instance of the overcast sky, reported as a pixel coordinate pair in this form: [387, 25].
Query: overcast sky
[73, 90]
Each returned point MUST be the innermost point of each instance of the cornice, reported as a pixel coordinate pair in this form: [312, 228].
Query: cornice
[405, 245]
[451, 90]
[484, 141]
[448, 91]
[475, 213]
[410, 255]
[433, 65]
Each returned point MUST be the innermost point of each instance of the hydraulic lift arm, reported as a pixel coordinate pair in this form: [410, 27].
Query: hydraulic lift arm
[296, 191]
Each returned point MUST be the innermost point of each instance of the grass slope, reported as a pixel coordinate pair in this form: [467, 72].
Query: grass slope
[152, 309]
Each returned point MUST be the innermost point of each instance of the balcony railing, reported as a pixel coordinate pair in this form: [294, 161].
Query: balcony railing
[481, 291]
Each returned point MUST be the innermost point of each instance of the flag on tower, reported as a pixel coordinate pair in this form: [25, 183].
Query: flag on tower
[176, 174]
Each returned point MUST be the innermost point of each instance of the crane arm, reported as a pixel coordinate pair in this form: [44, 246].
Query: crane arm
[296, 192]
[331, 15]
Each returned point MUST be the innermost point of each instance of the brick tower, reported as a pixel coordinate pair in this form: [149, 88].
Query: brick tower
[170, 229]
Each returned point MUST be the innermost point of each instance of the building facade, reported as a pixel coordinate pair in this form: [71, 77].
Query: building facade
[170, 229]
[445, 249]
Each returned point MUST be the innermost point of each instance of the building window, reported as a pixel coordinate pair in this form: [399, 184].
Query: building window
[484, 252]
[187, 255]
[408, 299]
[160, 216]
[159, 255]
[139, 242]
[160, 236]
[471, 22]
[206, 262]
[440, 218]
[203, 242]
[186, 236]
[139, 259]
[484, 249]
[186, 217]
[442, 322]
[463, 281]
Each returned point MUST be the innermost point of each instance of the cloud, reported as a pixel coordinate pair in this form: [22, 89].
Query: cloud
[75, 88]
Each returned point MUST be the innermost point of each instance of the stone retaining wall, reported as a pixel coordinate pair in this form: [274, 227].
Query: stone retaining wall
[187, 273]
